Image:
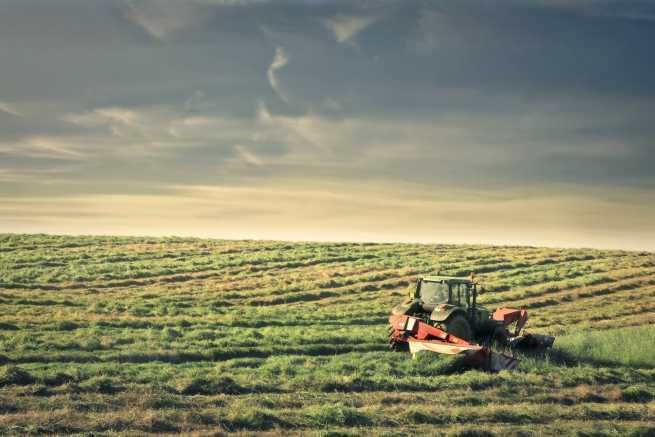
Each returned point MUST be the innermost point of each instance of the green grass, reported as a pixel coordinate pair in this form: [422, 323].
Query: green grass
[626, 347]
[134, 336]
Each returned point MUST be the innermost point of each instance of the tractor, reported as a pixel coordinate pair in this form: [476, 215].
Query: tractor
[441, 314]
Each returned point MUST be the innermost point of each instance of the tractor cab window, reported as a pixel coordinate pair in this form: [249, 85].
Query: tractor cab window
[457, 293]
[434, 292]
[461, 293]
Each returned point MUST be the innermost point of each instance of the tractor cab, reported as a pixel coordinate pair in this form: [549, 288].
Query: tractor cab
[445, 290]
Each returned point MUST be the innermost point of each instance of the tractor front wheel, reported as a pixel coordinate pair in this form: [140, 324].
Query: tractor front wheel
[458, 326]
[397, 345]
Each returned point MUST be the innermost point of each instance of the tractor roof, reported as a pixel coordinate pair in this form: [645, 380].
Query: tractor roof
[449, 279]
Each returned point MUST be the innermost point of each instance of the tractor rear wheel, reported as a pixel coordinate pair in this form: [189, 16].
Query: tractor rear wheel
[458, 326]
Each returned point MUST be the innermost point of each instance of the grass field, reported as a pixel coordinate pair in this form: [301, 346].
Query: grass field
[129, 336]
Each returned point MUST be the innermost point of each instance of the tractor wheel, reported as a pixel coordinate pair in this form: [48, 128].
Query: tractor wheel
[397, 345]
[458, 326]
[499, 336]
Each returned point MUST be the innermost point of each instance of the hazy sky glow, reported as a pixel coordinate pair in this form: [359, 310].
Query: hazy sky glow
[521, 122]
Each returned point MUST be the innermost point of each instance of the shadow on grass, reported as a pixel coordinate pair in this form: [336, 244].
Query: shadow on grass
[4, 326]
[211, 386]
[293, 298]
[12, 375]
[255, 420]
[335, 415]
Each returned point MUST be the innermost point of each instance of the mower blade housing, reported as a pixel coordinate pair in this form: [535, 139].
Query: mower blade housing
[531, 341]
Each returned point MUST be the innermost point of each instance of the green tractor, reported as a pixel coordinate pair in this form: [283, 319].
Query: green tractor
[442, 315]
[450, 304]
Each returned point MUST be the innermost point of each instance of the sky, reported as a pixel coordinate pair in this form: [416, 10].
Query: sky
[525, 122]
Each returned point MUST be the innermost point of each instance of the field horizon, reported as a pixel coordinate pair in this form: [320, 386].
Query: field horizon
[104, 335]
[463, 242]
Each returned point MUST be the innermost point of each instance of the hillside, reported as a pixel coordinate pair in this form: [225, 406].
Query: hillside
[117, 335]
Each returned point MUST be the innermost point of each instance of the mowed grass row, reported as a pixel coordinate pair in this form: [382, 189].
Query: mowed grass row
[146, 335]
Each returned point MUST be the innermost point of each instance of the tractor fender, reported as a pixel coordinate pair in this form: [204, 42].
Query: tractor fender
[443, 311]
[407, 307]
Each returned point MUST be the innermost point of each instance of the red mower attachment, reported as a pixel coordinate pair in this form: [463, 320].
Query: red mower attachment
[509, 316]
[419, 336]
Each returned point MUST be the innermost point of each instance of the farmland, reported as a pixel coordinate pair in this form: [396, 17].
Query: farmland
[130, 336]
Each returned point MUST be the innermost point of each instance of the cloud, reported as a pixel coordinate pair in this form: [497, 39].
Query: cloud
[45, 147]
[33, 176]
[247, 156]
[5, 107]
[506, 148]
[159, 18]
[198, 103]
[125, 124]
[346, 28]
[165, 132]
[280, 60]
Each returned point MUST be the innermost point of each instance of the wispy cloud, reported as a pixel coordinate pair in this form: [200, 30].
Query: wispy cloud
[280, 60]
[167, 130]
[159, 18]
[248, 156]
[5, 107]
[346, 28]
[124, 123]
[45, 147]
[33, 176]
